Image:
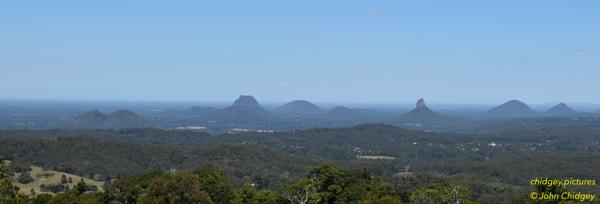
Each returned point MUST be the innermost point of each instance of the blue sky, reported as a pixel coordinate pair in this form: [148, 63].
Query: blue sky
[324, 51]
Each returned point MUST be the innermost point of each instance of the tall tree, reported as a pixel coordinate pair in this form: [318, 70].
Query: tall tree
[8, 191]
[215, 182]
[445, 192]
[178, 188]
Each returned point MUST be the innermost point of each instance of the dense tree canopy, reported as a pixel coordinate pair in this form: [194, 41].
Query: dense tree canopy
[326, 183]
[252, 167]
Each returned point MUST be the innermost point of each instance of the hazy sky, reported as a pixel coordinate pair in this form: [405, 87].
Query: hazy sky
[324, 51]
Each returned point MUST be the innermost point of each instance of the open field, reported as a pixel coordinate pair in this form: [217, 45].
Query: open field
[41, 176]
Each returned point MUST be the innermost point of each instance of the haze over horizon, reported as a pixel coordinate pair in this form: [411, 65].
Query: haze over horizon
[338, 51]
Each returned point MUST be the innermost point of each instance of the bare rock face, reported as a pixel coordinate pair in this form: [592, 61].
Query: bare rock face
[421, 104]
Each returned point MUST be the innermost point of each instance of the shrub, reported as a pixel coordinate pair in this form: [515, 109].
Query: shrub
[24, 178]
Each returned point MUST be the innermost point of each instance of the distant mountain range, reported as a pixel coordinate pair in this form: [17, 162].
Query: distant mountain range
[518, 109]
[248, 114]
[94, 119]
[247, 109]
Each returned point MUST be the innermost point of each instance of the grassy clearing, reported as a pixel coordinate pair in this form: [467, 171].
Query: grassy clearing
[41, 176]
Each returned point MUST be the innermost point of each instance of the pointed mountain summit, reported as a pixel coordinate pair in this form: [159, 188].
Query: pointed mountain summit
[512, 108]
[421, 104]
[244, 109]
[561, 109]
[423, 118]
[298, 108]
[422, 113]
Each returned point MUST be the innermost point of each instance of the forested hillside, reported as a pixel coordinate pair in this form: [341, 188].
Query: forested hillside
[88, 154]
[495, 165]
[325, 183]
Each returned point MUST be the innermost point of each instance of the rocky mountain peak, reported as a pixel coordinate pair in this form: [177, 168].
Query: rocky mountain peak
[421, 104]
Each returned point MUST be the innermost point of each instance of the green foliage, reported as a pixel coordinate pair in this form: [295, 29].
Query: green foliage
[247, 194]
[115, 154]
[20, 167]
[328, 180]
[80, 187]
[128, 189]
[334, 185]
[244, 194]
[8, 191]
[554, 189]
[74, 197]
[24, 178]
[442, 193]
[41, 199]
[384, 193]
[215, 182]
[494, 173]
[178, 188]
[326, 183]
[266, 197]
[54, 188]
[304, 191]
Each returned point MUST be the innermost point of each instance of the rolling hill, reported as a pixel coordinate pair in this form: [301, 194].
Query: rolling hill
[342, 113]
[298, 108]
[93, 152]
[94, 119]
[511, 109]
[561, 109]
[49, 177]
